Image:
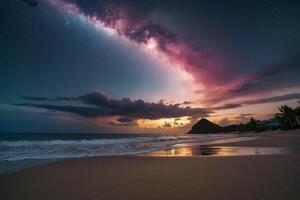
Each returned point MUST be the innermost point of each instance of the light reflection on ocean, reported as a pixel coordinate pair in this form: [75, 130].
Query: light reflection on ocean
[219, 151]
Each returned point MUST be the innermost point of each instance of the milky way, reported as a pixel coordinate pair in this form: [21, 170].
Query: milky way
[211, 72]
[202, 63]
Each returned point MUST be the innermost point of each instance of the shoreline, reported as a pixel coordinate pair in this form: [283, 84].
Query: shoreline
[240, 140]
[142, 177]
[11, 166]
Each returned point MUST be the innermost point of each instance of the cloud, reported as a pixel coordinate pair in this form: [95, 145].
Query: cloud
[97, 104]
[227, 106]
[124, 121]
[277, 76]
[274, 99]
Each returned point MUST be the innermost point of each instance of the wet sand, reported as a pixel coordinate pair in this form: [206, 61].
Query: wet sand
[140, 177]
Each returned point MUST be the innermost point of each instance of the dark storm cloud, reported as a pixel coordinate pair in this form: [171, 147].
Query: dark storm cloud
[96, 99]
[80, 110]
[99, 105]
[124, 121]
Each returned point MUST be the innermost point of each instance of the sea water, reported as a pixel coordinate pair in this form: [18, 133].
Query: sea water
[18, 151]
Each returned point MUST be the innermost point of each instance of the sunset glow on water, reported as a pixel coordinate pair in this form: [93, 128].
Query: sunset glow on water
[219, 151]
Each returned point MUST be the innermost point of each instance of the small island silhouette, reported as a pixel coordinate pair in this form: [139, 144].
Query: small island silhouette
[205, 126]
[287, 118]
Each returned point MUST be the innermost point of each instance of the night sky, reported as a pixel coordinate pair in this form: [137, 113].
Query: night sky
[151, 66]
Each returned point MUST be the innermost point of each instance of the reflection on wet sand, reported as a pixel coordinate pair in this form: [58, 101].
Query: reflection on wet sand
[219, 151]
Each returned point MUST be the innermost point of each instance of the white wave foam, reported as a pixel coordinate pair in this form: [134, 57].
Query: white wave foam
[55, 149]
[72, 142]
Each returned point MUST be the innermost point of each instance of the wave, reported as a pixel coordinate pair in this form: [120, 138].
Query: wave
[25, 143]
[57, 149]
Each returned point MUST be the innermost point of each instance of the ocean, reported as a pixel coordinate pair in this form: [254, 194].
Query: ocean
[19, 151]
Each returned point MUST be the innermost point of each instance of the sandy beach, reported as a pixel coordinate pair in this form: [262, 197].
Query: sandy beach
[142, 177]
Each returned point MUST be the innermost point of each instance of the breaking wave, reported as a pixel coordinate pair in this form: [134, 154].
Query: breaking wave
[15, 150]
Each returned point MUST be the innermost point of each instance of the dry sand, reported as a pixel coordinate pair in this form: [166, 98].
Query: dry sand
[128, 177]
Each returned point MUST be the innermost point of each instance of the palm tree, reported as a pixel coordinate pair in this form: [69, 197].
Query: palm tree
[286, 116]
[297, 110]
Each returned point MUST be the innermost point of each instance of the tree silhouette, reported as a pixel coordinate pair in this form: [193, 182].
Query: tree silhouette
[286, 116]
